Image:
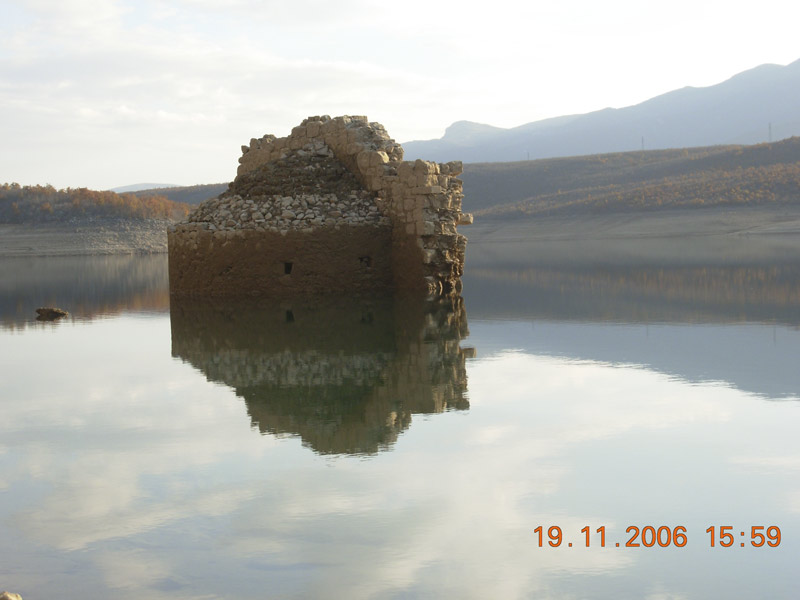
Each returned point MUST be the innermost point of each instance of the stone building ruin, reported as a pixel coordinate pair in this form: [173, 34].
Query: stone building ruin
[330, 208]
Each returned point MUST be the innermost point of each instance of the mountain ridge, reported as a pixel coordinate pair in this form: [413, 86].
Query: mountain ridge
[747, 108]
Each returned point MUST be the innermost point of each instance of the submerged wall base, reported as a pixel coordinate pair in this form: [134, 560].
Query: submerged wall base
[349, 259]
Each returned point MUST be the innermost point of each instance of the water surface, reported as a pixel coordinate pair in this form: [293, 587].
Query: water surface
[391, 449]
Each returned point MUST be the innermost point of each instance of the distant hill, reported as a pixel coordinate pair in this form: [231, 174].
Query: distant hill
[138, 187]
[43, 204]
[192, 194]
[724, 175]
[757, 175]
[741, 110]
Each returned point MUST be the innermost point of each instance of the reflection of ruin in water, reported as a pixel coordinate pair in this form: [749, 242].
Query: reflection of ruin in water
[345, 376]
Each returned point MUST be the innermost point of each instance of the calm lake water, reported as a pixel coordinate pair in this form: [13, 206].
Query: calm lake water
[392, 449]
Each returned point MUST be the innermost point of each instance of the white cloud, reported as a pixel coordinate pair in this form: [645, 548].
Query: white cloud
[783, 463]
[219, 93]
[245, 68]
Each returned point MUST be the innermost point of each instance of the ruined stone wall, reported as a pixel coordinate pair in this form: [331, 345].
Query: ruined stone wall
[328, 175]
[246, 262]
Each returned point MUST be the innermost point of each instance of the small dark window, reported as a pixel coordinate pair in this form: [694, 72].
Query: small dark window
[366, 261]
[287, 268]
[289, 316]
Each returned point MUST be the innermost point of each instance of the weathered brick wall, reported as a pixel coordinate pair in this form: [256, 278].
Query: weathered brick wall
[329, 174]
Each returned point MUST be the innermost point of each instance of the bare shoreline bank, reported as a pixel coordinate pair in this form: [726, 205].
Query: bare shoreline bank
[741, 233]
[89, 239]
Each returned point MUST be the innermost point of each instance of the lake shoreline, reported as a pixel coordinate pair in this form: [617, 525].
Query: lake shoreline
[702, 233]
[681, 222]
[740, 235]
[84, 239]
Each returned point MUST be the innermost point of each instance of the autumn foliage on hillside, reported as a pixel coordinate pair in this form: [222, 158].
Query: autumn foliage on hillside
[45, 204]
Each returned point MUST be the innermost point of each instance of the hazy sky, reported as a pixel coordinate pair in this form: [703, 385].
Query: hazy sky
[103, 93]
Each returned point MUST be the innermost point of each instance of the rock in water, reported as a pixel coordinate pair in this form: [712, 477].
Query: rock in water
[10, 596]
[49, 314]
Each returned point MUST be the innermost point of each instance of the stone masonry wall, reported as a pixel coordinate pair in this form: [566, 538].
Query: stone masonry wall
[327, 175]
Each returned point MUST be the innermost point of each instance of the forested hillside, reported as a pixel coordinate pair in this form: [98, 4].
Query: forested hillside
[45, 204]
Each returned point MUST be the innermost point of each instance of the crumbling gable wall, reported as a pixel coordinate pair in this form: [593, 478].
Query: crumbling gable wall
[336, 189]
